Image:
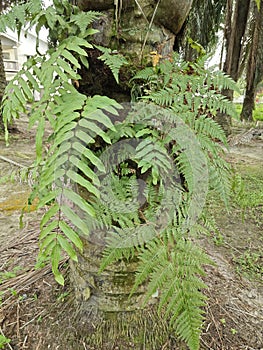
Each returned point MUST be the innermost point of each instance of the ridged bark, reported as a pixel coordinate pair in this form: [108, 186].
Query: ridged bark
[236, 23]
[2, 81]
[106, 315]
[254, 66]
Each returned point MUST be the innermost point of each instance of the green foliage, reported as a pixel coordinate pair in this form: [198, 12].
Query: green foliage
[19, 15]
[9, 274]
[113, 61]
[257, 112]
[250, 264]
[64, 108]
[174, 273]
[193, 92]
[4, 341]
[258, 4]
[144, 174]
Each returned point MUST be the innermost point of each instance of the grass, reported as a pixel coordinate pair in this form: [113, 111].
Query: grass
[250, 264]
[257, 114]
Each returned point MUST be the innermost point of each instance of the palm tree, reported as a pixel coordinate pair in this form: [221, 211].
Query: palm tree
[255, 64]
[105, 298]
[2, 80]
[145, 31]
[135, 28]
[199, 28]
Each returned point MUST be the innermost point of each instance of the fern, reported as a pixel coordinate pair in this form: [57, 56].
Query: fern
[113, 61]
[144, 177]
[75, 120]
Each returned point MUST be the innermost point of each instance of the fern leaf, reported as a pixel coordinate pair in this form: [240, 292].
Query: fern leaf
[66, 246]
[75, 219]
[52, 211]
[71, 235]
[55, 259]
[112, 60]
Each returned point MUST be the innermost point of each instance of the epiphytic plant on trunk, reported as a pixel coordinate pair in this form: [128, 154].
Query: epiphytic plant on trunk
[133, 178]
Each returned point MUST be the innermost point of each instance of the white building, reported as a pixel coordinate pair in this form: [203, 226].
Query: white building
[17, 51]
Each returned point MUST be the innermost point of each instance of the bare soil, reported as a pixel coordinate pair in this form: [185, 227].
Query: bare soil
[37, 314]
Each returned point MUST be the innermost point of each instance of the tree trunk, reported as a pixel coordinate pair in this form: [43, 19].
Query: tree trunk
[2, 82]
[106, 315]
[235, 28]
[135, 29]
[254, 66]
[234, 34]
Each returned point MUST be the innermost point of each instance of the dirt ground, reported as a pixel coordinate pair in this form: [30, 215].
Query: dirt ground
[36, 313]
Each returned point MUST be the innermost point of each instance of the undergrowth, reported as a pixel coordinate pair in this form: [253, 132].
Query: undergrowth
[146, 167]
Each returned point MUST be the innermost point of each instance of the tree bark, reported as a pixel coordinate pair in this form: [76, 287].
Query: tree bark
[135, 29]
[235, 37]
[235, 28]
[106, 315]
[254, 66]
[2, 82]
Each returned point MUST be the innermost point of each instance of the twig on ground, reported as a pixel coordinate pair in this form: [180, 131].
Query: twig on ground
[24, 342]
[213, 319]
[207, 345]
[228, 314]
[244, 312]
[18, 335]
[39, 343]
[12, 162]
[33, 319]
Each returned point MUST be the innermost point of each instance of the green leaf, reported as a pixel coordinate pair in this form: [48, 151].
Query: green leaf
[79, 201]
[46, 239]
[90, 156]
[76, 178]
[75, 219]
[49, 197]
[19, 94]
[76, 48]
[27, 91]
[65, 245]
[52, 211]
[68, 55]
[84, 136]
[113, 60]
[99, 116]
[155, 175]
[95, 128]
[48, 229]
[66, 68]
[71, 234]
[55, 259]
[87, 171]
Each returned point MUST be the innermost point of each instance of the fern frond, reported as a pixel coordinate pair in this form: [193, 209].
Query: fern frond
[112, 60]
[220, 179]
[146, 74]
[223, 81]
[18, 15]
[174, 274]
[207, 126]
